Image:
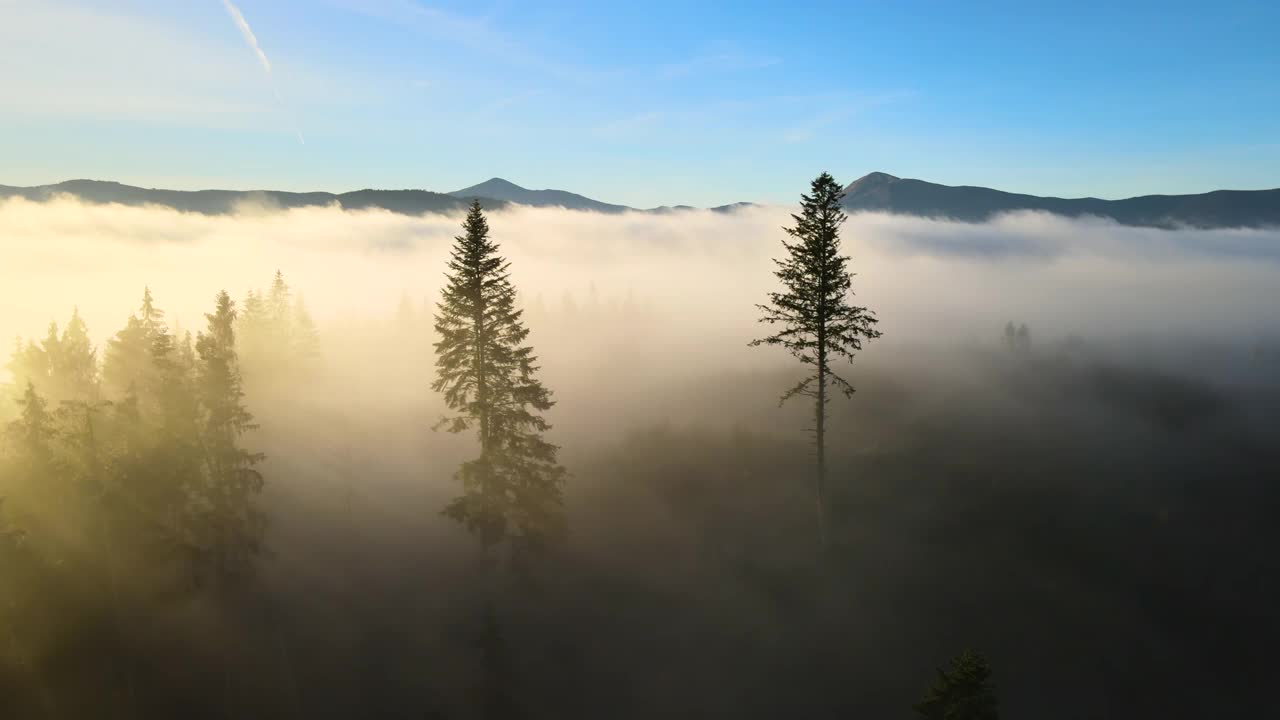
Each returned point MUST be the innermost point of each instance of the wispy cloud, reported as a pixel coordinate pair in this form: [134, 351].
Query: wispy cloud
[477, 33]
[803, 132]
[247, 32]
[251, 40]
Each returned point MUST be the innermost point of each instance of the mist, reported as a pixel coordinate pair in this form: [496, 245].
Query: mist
[1093, 512]
[935, 279]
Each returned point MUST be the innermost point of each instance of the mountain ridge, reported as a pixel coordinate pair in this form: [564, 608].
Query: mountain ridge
[1217, 209]
[873, 192]
[507, 191]
[495, 193]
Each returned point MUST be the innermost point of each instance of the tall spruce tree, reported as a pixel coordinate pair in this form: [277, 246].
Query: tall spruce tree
[173, 474]
[513, 491]
[233, 524]
[816, 322]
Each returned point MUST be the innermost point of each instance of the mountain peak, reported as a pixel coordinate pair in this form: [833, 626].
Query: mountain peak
[507, 191]
[870, 181]
[490, 188]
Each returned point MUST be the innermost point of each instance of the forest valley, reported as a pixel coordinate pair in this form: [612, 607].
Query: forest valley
[263, 517]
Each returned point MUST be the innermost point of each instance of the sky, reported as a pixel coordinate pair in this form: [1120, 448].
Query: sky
[641, 103]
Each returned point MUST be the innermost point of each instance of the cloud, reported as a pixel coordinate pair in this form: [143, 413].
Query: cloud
[252, 41]
[95, 63]
[475, 33]
[930, 280]
[842, 111]
[247, 32]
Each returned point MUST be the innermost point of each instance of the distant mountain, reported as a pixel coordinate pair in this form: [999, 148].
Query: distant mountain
[499, 189]
[494, 193]
[220, 202]
[1219, 209]
[669, 209]
[876, 191]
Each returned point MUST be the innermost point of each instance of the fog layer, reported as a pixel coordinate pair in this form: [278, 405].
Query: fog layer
[928, 278]
[1093, 512]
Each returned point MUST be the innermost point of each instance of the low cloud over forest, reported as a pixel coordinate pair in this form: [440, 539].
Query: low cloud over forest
[1092, 506]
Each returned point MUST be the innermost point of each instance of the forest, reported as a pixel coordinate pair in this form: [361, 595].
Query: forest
[500, 496]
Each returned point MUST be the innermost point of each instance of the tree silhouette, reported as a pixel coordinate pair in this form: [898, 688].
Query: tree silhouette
[512, 491]
[62, 366]
[279, 309]
[276, 338]
[75, 366]
[961, 692]
[253, 331]
[233, 524]
[128, 355]
[817, 322]
[32, 435]
[306, 339]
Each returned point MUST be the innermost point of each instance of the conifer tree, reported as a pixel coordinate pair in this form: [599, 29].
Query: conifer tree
[306, 340]
[127, 358]
[32, 363]
[816, 322]
[32, 435]
[81, 422]
[253, 333]
[961, 692]
[173, 473]
[279, 308]
[152, 317]
[512, 491]
[74, 367]
[50, 349]
[233, 524]
[128, 354]
[27, 365]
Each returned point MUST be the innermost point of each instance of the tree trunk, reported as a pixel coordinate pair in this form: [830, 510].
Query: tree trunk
[820, 432]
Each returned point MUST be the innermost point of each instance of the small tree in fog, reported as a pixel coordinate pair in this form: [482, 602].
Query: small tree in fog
[306, 339]
[1017, 339]
[961, 692]
[1024, 338]
[512, 491]
[815, 320]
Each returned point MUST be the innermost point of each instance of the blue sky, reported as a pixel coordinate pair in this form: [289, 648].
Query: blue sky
[642, 103]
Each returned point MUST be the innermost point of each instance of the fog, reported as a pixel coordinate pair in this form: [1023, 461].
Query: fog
[1093, 513]
[935, 280]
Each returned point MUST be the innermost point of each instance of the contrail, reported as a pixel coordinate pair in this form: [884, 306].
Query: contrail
[251, 40]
